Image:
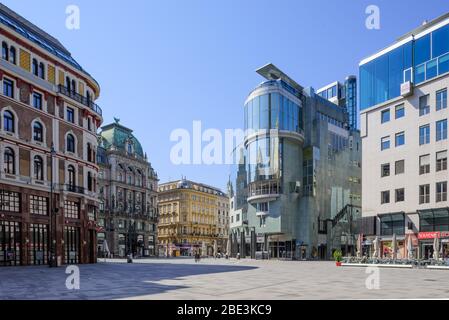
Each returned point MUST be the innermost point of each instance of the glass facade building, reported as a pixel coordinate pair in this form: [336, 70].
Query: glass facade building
[420, 59]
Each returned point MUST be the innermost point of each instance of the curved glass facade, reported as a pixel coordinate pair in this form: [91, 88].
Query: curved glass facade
[273, 111]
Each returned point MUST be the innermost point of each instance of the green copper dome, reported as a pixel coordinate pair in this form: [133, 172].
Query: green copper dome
[119, 137]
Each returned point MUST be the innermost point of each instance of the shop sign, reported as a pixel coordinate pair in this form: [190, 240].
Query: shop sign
[260, 239]
[433, 235]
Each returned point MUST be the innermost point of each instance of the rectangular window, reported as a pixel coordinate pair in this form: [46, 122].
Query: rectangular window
[385, 143]
[39, 205]
[392, 224]
[441, 191]
[385, 197]
[9, 201]
[71, 209]
[424, 193]
[400, 195]
[385, 116]
[385, 170]
[441, 128]
[70, 115]
[400, 139]
[424, 134]
[37, 100]
[424, 164]
[400, 111]
[441, 164]
[441, 99]
[8, 88]
[424, 107]
[399, 167]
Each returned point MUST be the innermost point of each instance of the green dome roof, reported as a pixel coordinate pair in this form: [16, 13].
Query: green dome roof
[116, 136]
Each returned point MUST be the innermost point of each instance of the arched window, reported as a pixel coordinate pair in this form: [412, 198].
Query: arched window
[5, 53]
[89, 181]
[9, 161]
[89, 152]
[41, 70]
[12, 55]
[70, 143]
[73, 85]
[38, 132]
[8, 121]
[71, 172]
[35, 68]
[38, 168]
[88, 96]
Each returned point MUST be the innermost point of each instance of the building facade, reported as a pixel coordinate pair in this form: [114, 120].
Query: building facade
[48, 172]
[127, 194]
[193, 219]
[403, 94]
[297, 183]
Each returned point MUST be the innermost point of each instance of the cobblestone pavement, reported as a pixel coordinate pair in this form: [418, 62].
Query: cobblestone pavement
[220, 279]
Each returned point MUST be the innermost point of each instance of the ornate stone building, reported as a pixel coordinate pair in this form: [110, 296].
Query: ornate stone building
[128, 194]
[193, 218]
[48, 142]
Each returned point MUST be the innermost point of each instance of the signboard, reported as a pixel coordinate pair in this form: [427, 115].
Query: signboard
[260, 239]
[248, 239]
[433, 235]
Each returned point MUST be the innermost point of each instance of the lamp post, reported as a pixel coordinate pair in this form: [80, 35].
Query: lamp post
[52, 260]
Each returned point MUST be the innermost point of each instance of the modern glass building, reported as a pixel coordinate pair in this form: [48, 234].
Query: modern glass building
[281, 203]
[403, 116]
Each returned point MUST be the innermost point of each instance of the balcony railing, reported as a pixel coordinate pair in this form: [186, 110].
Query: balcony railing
[79, 98]
[75, 189]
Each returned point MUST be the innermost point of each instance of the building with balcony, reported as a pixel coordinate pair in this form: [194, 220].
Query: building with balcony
[127, 193]
[193, 219]
[403, 96]
[296, 185]
[48, 142]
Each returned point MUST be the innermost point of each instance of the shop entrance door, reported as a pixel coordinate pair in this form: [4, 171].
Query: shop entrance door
[10, 234]
[72, 245]
[90, 247]
[427, 251]
[39, 244]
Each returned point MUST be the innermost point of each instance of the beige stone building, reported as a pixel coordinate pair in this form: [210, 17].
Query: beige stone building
[193, 217]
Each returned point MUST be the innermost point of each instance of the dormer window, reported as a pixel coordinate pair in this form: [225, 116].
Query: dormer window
[130, 148]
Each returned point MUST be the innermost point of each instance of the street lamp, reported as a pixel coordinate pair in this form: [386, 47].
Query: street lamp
[52, 260]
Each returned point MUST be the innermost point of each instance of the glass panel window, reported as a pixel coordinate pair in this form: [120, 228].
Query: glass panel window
[385, 116]
[443, 64]
[392, 224]
[39, 205]
[431, 69]
[38, 132]
[385, 143]
[424, 134]
[422, 49]
[70, 115]
[400, 167]
[400, 139]
[8, 122]
[8, 88]
[385, 197]
[37, 100]
[441, 99]
[10, 201]
[441, 164]
[400, 195]
[420, 73]
[385, 170]
[424, 107]
[424, 194]
[441, 191]
[9, 164]
[441, 128]
[400, 111]
[71, 209]
[424, 164]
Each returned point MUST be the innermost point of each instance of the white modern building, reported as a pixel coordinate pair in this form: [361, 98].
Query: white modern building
[403, 102]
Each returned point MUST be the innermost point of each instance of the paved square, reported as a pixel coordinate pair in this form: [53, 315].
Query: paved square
[220, 279]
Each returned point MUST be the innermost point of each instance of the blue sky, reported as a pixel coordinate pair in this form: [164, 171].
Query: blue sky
[163, 64]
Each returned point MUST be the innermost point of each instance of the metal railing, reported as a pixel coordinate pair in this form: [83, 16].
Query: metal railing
[74, 189]
[79, 98]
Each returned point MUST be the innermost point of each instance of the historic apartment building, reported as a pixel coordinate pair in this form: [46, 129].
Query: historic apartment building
[48, 142]
[193, 218]
[296, 190]
[403, 95]
[128, 194]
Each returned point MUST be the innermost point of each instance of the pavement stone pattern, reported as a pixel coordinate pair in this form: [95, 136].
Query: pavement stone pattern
[220, 279]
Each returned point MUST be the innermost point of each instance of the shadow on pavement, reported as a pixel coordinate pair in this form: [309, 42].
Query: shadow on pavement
[101, 281]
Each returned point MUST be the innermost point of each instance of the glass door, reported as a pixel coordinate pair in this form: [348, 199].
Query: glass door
[10, 235]
[38, 244]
